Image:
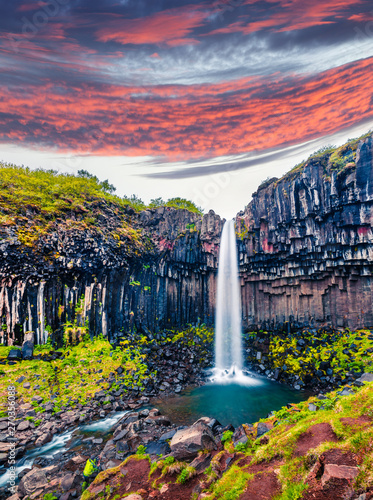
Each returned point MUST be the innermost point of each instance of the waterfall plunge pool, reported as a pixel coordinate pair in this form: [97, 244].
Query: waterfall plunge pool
[230, 403]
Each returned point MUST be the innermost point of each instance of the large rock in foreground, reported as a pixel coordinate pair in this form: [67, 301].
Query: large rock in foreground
[33, 481]
[186, 443]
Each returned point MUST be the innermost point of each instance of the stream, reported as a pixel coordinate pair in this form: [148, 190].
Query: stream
[67, 441]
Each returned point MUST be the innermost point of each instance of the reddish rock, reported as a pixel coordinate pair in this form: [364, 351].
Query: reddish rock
[332, 471]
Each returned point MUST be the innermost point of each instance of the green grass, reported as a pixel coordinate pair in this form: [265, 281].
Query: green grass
[82, 362]
[231, 485]
[36, 202]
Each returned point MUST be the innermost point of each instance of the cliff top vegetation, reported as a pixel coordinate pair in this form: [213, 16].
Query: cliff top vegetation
[331, 158]
[52, 194]
[36, 202]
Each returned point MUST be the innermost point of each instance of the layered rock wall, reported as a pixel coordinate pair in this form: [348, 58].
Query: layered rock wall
[306, 246]
[112, 290]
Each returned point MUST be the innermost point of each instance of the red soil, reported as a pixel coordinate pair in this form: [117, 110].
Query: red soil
[263, 487]
[316, 435]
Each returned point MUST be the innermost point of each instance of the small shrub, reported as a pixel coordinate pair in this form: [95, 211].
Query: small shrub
[227, 436]
[186, 474]
[141, 450]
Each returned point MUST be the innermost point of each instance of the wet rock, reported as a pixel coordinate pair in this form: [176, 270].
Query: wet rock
[158, 448]
[158, 420]
[167, 435]
[186, 443]
[33, 481]
[121, 435]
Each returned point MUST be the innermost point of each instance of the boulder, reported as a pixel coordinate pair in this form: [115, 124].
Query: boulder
[43, 439]
[67, 482]
[186, 443]
[23, 426]
[27, 350]
[262, 429]
[346, 392]
[32, 481]
[344, 472]
[15, 355]
[366, 377]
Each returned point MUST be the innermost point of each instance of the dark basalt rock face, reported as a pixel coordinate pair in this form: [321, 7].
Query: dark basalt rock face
[167, 281]
[306, 247]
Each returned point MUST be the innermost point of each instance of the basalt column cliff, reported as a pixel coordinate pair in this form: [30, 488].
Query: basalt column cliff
[305, 251]
[157, 272]
[306, 243]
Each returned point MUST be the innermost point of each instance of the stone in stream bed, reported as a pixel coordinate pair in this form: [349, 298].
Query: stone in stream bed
[33, 481]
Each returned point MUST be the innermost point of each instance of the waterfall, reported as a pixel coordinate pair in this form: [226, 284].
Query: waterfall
[228, 347]
[228, 328]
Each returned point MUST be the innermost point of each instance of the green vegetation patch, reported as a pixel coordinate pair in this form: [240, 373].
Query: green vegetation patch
[231, 485]
[342, 351]
[82, 371]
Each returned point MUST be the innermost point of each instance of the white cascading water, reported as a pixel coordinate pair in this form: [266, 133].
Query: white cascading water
[228, 328]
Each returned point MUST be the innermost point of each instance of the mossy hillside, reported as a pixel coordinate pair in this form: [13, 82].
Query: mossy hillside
[84, 369]
[322, 353]
[75, 377]
[293, 422]
[330, 158]
[279, 444]
[39, 202]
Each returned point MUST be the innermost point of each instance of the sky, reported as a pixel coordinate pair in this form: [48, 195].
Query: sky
[199, 99]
